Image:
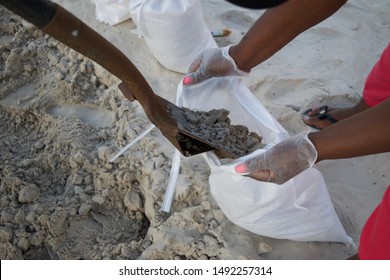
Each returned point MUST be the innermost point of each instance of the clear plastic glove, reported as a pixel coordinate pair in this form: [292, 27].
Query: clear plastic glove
[282, 162]
[212, 63]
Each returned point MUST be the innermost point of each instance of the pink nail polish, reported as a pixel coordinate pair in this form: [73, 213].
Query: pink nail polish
[241, 168]
[187, 80]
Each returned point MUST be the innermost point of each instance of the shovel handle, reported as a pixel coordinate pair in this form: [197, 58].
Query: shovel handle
[39, 13]
[57, 22]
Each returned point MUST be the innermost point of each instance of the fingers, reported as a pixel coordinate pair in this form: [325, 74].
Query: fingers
[258, 169]
[194, 78]
[195, 65]
[262, 175]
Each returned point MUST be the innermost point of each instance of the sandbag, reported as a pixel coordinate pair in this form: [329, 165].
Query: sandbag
[300, 209]
[174, 31]
[111, 11]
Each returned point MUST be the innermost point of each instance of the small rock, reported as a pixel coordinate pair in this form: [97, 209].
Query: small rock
[128, 177]
[20, 218]
[73, 163]
[205, 205]
[93, 79]
[88, 179]
[28, 68]
[30, 217]
[213, 224]
[52, 160]
[98, 199]
[263, 248]
[126, 252]
[23, 244]
[202, 228]
[27, 163]
[36, 238]
[104, 152]
[4, 55]
[77, 179]
[29, 193]
[219, 216]
[132, 201]
[39, 145]
[58, 222]
[5, 234]
[149, 167]
[37, 208]
[6, 217]
[78, 190]
[60, 76]
[83, 67]
[84, 209]
[53, 58]
[85, 86]
[79, 157]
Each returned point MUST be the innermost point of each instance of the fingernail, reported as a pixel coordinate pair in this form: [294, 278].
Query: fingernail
[241, 168]
[187, 80]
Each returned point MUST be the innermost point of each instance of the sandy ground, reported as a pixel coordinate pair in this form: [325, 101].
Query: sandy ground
[62, 118]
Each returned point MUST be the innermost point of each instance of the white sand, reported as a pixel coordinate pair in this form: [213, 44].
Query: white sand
[62, 118]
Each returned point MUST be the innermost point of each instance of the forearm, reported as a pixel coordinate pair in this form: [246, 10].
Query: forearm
[363, 134]
[277, 27]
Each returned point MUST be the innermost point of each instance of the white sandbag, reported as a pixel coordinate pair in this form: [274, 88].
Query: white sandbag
[300, 209]
[174, 31]
[111, 11]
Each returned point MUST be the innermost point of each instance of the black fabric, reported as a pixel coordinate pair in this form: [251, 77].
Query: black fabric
[257, 4]
[38, 12]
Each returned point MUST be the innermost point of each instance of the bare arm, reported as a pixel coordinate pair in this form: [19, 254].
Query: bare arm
[362, 134]
[277, 27]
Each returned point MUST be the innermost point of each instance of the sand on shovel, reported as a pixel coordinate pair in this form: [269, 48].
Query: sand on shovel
[215, 127]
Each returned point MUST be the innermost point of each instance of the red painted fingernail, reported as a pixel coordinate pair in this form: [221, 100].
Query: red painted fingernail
[187, 80]
[241, 168]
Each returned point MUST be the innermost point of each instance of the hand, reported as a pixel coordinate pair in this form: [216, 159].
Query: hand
[212, 63]
[282, 162]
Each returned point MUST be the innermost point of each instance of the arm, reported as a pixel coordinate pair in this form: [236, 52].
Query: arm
[273, 30]
[363, 134]
[277, 27]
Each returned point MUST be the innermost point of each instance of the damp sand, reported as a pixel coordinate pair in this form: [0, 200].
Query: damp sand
[215, 127]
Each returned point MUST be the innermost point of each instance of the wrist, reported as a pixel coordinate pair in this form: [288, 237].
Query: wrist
[235, 54]
[313, 137]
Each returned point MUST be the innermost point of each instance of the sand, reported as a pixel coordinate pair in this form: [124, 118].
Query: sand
[216, 128]
[62, 118]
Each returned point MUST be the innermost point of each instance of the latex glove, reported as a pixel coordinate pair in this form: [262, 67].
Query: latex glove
[212, 63]
[282, 162]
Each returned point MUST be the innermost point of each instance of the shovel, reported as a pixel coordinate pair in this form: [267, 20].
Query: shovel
[60, 24]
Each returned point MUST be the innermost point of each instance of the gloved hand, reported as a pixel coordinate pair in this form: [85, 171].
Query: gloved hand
[212, 63]
[282, 162]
